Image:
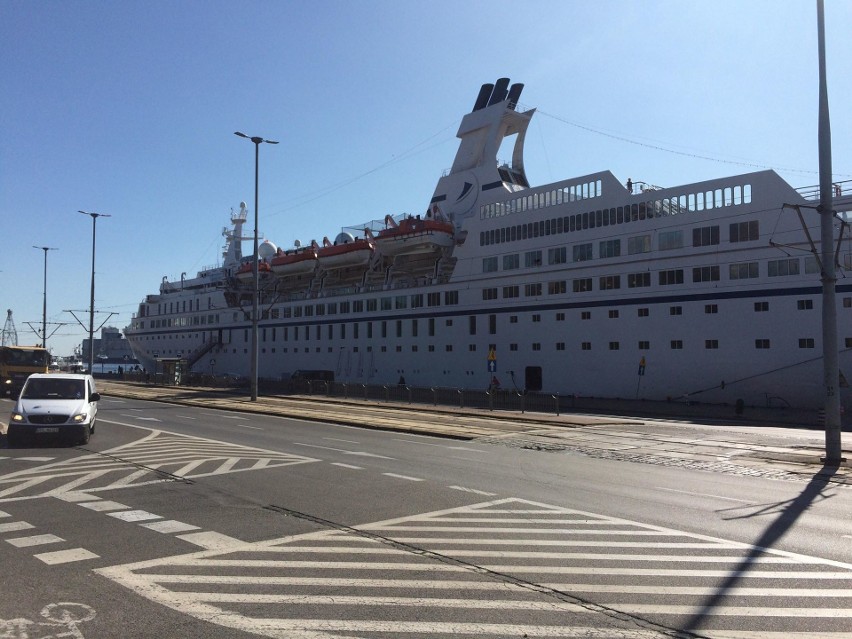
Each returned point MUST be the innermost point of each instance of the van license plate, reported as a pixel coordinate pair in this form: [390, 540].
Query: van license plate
[47, 430]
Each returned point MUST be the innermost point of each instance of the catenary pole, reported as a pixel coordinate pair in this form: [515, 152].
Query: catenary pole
[831, 368]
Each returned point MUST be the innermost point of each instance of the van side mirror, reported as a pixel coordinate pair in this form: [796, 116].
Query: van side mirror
[95, 397]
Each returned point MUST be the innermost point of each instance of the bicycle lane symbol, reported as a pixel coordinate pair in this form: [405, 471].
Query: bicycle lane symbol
[62, 620]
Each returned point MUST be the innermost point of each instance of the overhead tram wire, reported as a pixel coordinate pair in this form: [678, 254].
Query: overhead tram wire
[688, 154]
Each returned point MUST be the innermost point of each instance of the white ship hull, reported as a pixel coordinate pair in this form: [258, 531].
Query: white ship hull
[706, 292]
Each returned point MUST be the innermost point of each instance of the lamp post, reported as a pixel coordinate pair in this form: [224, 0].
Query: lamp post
[94, 217]
[256, 293]
[44, 296]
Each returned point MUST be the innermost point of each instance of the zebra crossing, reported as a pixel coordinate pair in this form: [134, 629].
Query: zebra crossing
[157, 457]
[503, 568]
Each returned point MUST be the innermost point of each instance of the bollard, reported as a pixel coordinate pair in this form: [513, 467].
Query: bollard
[434, 396]
[461, 398]
[556, 398]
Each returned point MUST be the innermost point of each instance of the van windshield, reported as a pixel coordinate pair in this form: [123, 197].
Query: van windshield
[54, 389]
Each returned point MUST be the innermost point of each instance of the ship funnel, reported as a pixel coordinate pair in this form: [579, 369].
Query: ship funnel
[482, 98]
[515, 94]
[500, 90]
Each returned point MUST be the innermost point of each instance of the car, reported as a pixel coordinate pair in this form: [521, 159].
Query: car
[62, 405]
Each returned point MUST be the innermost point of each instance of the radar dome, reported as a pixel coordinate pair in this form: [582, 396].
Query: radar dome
[266, 250]
[344, 238]
[242, 205]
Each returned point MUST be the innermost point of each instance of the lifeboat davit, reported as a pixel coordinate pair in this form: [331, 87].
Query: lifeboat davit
[297, 262]
[413, 235]
[245, 274]
[345, 252]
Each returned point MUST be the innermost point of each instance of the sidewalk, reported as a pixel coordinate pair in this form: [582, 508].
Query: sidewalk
[763, 450]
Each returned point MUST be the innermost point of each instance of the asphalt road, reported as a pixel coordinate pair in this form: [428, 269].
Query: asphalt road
[178, 521]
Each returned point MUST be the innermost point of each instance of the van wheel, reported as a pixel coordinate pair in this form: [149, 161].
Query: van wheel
[85, 438]
[13, 441]
[92, 428]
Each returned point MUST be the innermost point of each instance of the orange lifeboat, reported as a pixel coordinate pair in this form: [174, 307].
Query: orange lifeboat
[413, 235]
[298, 262]
[345, 252]
[245, 274]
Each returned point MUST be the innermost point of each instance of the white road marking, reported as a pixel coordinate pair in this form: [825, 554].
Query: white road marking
[134, 515]
[14, 526]
[240, 417]
[342, 465]
[413, 441]
[169, 526]
[104, 506]
[65, 556]
[686, 492]
[343, 450]
[247, 426]
[409, 478]
[212, 540]
[34, 540]
[335, 439]
[35, 459]
[472, 490]
[186, 417]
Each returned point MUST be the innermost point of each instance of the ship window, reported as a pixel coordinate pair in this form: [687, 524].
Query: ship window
[399, 328]
[705, 274]
[511, 262]
[451, 297]
[532, 290]
[431, 327]
[532, 259]
[613, 346]
[492, 324]
[744, 231]
[747, 194]
[489, 294]
[401, 301]
[369, 330]
[309, 311]
[761, 343]
[644, 345]
[372, 304]
[482, 238]
[812, 265]
[511, 291]
[524, 231]
[585, 220]
[610, 248]
[761, 307]
[489, 264]
[705, 236]
[711, 309]
[513, 319]
[513, 347]
[582, 285]
[386, 303]
[613, 314]
[676, 344]
[558, 287]
[675, 310]
[638, 244]
[669, 240]
[560, 317]
[674, 276]
[547, 227]
[638, 280]
[558, 255]
[643, 312]
[586, 346]
[560, 346]
[416, 300]
[433, 299]
[560, 225]
[384, 328]
[806, 342]
[711, 344]
[513, 233]
[582, 252]
[781, 268]
[743, 270]
[610, 282]
[472, 324]
[319, 332]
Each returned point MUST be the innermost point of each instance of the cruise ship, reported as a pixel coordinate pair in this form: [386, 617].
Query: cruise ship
[591, 286]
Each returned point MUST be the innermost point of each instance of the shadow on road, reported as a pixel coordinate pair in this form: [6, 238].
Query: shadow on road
[788, 513]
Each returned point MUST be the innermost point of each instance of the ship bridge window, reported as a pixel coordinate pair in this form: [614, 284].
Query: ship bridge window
[582, 285]
[669, 277]
[386, 303]
[511, 291]
[451, 297]
[511, 262]
[416, 300]
[344, 307]
[638, 280]
[558, 287]
[401, 301]
[706, 273]
[532, 290]
[433, 299]
[320, 309]
[372, 304]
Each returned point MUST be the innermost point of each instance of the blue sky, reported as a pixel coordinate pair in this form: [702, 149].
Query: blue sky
[128, 108]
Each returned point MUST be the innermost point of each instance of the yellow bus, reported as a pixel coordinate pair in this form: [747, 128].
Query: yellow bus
[19, 362]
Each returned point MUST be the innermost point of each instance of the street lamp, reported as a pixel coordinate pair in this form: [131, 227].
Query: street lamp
[94, 217]
[254, 314]
[44, 296]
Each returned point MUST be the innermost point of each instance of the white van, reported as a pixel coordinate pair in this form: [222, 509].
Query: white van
[59, 405]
